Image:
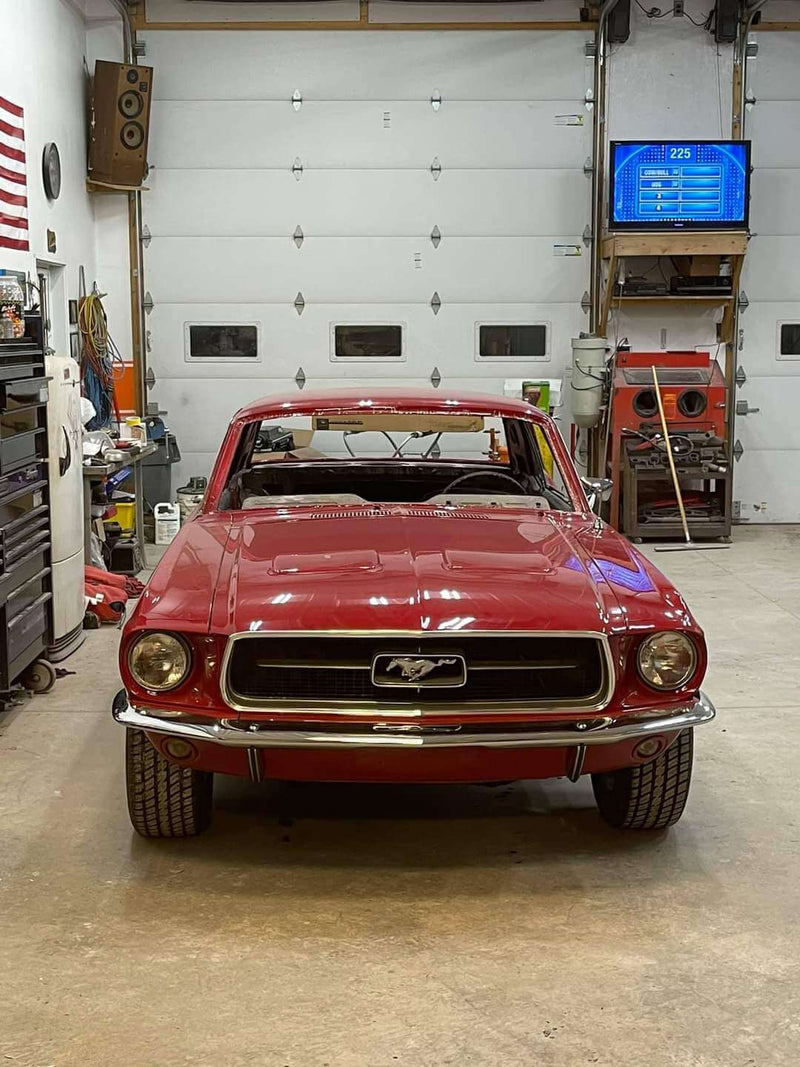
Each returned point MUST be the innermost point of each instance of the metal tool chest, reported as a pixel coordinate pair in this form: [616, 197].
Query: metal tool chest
[25, 569]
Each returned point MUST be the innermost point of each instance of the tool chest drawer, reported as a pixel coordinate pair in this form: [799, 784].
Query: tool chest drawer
[22, 394]
[27, 594]
[21, 536]
[33, 562]
[28, 626]
[23, 357]
[23, 437]
[22, 481]
[16, 506]
[20, 359]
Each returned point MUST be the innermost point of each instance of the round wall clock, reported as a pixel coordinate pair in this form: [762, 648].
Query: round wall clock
[51, 170]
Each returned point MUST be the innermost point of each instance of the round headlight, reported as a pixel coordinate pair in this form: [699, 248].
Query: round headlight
[159, 661]
[668, 660]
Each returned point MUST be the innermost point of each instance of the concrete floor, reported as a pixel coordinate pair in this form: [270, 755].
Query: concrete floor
[373, 927]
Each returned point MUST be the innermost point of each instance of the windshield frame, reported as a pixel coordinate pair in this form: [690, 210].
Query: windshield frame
[239, 443]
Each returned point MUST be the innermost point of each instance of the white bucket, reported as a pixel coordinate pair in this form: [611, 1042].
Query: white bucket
[168, 522]
[588, 379]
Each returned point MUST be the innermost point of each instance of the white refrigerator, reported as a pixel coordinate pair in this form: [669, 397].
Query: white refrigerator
[65, 440]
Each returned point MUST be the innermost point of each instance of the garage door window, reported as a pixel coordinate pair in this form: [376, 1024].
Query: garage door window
[367, 342]
[512, 340]
[221, 342]
[790, 340]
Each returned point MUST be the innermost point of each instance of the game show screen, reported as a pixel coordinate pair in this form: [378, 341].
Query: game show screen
[679, 185]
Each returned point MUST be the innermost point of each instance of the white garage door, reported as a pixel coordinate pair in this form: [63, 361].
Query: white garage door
[767, 482]
[370, 168]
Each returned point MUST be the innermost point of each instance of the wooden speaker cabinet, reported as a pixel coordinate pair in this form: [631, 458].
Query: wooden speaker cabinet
[120, 121]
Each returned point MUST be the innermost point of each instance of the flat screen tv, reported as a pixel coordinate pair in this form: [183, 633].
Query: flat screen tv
[679, 185]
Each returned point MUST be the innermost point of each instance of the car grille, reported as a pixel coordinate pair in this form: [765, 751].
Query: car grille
[501, 670]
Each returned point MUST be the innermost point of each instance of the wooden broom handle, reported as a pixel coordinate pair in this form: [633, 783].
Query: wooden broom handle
[671, 459]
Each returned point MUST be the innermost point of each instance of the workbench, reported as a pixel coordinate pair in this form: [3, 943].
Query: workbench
[98, 472]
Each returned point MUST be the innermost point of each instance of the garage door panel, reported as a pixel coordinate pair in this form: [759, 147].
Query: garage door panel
[201, 408]
[353, 270]
[202, 65]
[519, 202]
[771, 269]
[776, 424]
[467, 383]
[286, 340]
[195, 270]
[509, 271]
[761, 485]
[774, 128]
[456, 334]
[774, 200]
[257, 134]
[760, 327]
[364, 203]
[774, 74]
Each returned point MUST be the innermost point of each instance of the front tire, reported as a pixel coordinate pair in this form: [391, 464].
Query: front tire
[164, 799]
[651, 796]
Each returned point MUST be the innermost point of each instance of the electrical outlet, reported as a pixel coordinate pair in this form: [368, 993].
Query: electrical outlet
[677, 8]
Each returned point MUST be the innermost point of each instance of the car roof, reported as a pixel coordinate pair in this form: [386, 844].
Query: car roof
[395, 400]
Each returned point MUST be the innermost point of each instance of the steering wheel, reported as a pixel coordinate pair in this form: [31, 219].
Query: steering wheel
[483, 474]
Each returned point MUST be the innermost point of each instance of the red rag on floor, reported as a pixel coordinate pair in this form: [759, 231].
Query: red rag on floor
[112, 607]
[132, 586]
[95, 574]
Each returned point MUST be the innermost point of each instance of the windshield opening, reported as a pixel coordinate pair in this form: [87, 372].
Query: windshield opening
[373, 459]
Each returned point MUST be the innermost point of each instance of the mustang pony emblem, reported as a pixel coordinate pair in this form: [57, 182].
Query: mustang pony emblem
[414, 669]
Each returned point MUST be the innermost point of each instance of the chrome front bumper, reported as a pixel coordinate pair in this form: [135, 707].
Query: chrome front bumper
[602, 730]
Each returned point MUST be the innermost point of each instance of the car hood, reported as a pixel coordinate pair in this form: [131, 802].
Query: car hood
[418, 569]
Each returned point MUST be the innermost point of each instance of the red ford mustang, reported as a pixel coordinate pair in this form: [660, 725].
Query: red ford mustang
[405, 586]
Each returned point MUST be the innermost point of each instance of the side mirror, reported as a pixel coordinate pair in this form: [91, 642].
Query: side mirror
[598, 490]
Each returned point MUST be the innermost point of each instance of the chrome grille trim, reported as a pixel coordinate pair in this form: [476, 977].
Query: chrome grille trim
[419, 709]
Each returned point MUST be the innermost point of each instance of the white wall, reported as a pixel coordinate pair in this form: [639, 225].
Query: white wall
[43, 68]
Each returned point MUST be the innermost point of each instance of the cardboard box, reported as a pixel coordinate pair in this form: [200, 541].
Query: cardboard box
[376, 422]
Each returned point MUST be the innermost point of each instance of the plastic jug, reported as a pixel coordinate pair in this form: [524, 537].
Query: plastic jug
[168, 522]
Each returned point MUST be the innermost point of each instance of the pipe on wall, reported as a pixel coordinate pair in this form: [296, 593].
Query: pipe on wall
[598, 156]
[740, 61]
[138, 318]
[121, 8]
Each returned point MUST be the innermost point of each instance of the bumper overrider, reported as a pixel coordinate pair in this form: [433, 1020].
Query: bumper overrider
[603, 729]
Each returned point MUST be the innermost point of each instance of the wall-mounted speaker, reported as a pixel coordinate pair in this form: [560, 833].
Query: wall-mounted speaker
[120, 121]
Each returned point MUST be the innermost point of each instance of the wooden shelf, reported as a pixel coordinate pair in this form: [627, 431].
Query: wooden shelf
[676, 298]
[709, 243]
[731, 244]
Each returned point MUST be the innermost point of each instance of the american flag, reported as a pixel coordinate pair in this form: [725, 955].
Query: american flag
[13, 183]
